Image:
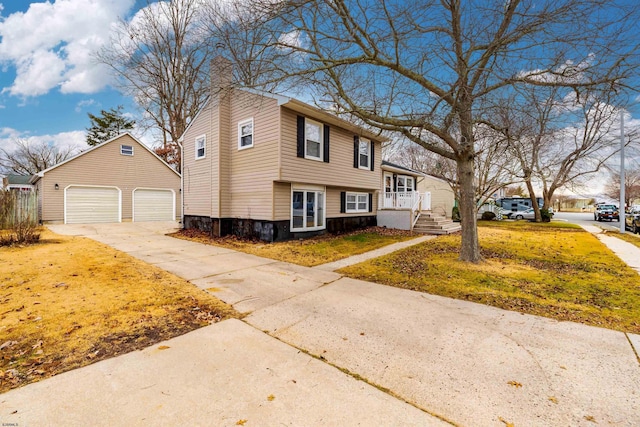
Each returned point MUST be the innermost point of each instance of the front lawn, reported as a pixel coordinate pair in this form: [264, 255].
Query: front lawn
[308, 252]
[550, 269]
[66, 302]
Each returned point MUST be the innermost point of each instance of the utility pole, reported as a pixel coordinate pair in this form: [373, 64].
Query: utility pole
[621, 211]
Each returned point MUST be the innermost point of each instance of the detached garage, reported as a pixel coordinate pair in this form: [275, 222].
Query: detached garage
[118, 180]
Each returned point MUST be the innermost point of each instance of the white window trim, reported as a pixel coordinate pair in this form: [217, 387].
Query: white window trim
[356, 210]
[321, 126]
[122, 150]
[368, 165]
[309, 189]
[204, 139]
[253, 135]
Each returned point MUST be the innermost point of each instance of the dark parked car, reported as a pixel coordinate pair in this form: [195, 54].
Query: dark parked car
[603, 212]
[632, 222]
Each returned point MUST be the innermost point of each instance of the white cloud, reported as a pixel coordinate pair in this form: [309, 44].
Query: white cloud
[85, 103]
[50, 45]
[63, 140]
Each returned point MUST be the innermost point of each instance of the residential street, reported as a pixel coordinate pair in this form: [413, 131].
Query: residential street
[439, 358]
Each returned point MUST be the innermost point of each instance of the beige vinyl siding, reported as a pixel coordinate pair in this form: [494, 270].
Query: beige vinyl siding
[282, 201]
[442, 197]
[105, 166]
[197, 179]
[253, 170]
[333, 202]
[338, 172]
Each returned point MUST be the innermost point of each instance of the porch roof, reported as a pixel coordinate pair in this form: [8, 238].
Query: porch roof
[388, 166]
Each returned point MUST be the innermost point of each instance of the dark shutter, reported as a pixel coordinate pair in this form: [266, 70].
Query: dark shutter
[343, 201]
[300, 136]
[395, 183]
[415, 183]
[373, 158]
[370, 202]
[356, 150]
[326, 144]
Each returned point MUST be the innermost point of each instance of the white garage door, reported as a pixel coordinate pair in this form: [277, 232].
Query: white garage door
[86, 205]
[153, 205]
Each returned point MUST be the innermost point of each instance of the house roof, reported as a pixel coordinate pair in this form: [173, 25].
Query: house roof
[18, 179]
[303, 108]
[40, 174]
[397, 168]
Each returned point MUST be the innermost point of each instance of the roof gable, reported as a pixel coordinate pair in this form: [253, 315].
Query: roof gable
[40, 174]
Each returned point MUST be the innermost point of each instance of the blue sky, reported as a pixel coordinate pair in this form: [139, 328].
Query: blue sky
[48, 79]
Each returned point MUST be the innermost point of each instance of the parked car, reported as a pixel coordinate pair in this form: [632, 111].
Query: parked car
[528, 214]
[604, 211]
[632, 222]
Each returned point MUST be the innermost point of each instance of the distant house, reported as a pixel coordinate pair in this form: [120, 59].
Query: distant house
[17, 183]
[274, 167]
[118, 180]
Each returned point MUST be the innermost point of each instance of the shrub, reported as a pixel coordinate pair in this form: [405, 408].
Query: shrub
[455, 214]
[17, 224]
[546, 215]
[488, 216]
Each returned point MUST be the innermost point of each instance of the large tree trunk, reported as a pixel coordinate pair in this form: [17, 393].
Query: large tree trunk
[534, 200]
[470, 250]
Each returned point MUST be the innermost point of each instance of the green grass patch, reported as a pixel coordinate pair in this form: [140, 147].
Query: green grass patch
[308, 252]
[550, 269]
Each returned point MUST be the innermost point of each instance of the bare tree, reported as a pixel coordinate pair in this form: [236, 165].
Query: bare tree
[30, 157]
[432, 68]
[631, 186]
[160, 58]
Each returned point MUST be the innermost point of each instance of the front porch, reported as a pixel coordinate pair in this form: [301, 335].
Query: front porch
[411, 210]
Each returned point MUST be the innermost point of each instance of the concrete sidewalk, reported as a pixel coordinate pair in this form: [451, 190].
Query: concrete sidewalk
[215, 376]
[627, 252]
[467, 363]
[352, 260]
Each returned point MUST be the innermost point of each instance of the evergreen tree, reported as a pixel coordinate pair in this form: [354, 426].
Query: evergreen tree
[109, 125]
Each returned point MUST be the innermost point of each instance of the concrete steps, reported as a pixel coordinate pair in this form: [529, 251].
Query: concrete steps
[430, 223]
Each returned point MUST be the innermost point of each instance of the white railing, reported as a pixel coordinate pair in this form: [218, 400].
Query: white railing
[399, 200]
[416, 210]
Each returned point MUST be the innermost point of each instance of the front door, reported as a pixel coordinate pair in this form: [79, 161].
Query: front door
[388, 190]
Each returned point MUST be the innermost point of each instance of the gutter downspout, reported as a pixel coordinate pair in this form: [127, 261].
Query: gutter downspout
[181, 181]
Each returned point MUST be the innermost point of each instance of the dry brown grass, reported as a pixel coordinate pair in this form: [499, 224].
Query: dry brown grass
[549, 269]
[70, 301]
[308, 252]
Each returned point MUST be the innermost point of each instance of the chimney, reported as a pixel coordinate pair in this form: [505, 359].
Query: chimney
[221, 70]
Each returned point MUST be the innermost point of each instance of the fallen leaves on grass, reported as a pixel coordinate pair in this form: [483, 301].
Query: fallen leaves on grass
[546, 269]
[70, 301]
[308, 252]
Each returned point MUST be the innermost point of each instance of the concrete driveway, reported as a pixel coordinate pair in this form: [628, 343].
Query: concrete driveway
[462, 362]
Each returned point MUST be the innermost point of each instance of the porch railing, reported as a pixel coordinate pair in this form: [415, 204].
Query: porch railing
[399, 200]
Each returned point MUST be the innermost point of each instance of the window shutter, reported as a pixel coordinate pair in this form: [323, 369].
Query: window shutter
[326, 144]
[356, 150]
[343, 201]
[415, 183]
[300, 151]
[395, 183]
[373, 152]
[370, 202]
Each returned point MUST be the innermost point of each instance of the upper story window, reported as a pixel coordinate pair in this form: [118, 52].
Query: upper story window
[200, 145]
[126, 150]
[364, 154]
[313, 140]
[245, 134]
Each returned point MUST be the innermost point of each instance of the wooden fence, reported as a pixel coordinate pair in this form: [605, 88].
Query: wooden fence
[18, 207]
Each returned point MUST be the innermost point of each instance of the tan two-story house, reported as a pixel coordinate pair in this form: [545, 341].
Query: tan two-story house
[269, 166]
